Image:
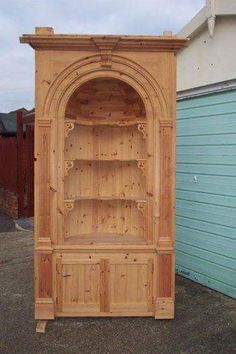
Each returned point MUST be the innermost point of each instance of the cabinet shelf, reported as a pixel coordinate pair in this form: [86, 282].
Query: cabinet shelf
[69, 164]
[140, 201]
[107, 238]
[70, 124]
[107, 160]
[105, 122]
[98, 197]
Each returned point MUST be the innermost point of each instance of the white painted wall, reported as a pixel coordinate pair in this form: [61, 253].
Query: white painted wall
[209, 60]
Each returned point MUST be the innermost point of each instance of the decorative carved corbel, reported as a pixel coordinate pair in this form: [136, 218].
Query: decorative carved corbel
[142, 166]
[69, 205]
[106, 45]
[68, 166]
[210, 11]
[211, 21]
[141, 206]
[142, 127]
[106, 59]
[69, 126]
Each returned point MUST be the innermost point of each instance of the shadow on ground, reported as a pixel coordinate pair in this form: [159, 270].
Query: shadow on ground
[7, 224]
[205, 320]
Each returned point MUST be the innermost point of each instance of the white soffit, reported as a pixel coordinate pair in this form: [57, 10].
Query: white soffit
[207, 16]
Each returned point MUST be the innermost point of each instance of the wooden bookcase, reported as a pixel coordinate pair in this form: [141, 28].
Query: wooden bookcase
[104, 174]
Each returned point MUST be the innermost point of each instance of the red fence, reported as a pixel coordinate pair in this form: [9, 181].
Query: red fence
[16, 167]
[8, 163]
[29, 171]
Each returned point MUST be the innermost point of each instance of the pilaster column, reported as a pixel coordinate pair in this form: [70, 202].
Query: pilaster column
[44, 306]
[164, 305]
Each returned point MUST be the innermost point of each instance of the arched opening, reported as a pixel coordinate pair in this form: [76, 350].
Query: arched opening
[105, 155]
[105, 100]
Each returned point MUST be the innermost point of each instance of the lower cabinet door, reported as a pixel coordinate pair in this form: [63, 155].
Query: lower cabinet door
[78, 286]
[104, 285]
[131, 287]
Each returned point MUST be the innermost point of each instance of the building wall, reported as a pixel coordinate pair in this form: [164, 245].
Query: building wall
[206, 190]
[209, 60]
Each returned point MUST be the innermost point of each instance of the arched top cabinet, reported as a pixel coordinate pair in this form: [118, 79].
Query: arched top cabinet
[104, 174]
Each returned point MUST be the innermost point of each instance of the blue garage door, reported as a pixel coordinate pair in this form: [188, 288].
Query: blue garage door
[206, 190]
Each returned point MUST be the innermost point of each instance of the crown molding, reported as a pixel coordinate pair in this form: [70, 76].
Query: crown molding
[103, 42]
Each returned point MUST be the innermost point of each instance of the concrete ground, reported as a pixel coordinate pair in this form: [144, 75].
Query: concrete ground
[6, 223]
[205, 320]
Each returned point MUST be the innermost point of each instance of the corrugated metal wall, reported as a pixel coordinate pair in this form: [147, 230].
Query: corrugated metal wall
[206, 190]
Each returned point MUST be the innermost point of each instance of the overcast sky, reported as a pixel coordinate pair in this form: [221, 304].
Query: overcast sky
[74, 16]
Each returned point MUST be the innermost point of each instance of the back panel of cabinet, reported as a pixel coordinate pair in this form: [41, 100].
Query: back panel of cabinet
[106, 165]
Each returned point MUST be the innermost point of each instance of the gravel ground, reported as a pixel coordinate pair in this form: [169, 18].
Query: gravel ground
[6, 223]
[205, 320]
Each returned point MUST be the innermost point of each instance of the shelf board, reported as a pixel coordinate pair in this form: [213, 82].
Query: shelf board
[69, 164]
[106, 198]
[109, 238]
[102, 122]
[107, 160]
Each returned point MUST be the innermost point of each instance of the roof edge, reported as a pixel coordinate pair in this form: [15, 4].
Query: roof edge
[192, 28]
[207, 16]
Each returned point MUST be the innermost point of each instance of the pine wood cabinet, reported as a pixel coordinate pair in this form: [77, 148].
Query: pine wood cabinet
[104, 174]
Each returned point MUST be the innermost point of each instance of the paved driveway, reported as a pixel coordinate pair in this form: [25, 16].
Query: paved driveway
[6, 223]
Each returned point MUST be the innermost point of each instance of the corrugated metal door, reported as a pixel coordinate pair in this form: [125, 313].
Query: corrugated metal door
[206, 190]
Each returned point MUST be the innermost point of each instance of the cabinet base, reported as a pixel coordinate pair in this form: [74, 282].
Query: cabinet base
[44, 309]
[164, 309]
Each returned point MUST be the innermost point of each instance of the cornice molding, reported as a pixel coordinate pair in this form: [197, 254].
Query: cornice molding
[103, 42]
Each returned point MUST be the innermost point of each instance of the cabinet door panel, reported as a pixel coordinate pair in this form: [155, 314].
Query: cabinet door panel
[79, 286]
[131, 287]
[104, 284]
